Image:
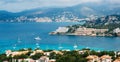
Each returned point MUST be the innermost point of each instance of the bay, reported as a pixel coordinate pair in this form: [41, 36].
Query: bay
[26, 32]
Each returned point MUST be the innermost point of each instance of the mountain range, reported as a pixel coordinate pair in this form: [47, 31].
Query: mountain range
[73, 13]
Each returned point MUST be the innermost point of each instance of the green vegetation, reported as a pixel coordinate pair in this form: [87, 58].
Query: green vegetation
[3, 57]
[72, 56]
[109, 22]
[36, 56]
[21, 56]
[68, 56]
[73, 28]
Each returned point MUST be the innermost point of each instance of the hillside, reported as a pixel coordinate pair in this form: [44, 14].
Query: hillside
[103, 26]
[111, 22]
[74, 13]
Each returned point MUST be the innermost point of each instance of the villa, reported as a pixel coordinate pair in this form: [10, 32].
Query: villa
[9, 52]
[57, 52]
[37, 51]
[47, 53]
[29, 60]
[82, 51]
[117, 60]
[117, 31]
[84, 31]
[93, 58]
[90, 31]
[106, 58]
[43, 59]
[52, 60]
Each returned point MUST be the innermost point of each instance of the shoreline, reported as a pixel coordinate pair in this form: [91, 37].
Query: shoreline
[64, 49]
[73, 34]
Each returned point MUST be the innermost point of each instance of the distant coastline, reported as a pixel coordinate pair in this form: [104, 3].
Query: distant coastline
[83, 31]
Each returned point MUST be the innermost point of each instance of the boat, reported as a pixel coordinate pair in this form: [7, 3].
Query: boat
[14, 47]
[37, 44]
[37, 38]
[75, 46]
[60, 47]
[19, 41]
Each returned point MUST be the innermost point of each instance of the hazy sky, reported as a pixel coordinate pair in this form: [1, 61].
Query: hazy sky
[20, 5]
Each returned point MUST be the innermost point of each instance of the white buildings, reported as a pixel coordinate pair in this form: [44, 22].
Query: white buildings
[47, 53]
[62, 29]
[90, 31]
[44, 19]
[41, 59]
[117, 30]
[9, 52]
[44, 59]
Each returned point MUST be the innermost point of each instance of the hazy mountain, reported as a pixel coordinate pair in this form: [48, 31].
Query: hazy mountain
[110, 19]
[73, 13]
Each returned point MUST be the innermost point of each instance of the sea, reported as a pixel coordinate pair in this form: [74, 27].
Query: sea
[15, 36]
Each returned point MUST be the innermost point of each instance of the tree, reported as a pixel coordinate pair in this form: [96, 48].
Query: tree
[52, 55]
[36, 56]
[22, 56]
[3, 57]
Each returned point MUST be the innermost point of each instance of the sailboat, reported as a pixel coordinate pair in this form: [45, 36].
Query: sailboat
[14, 47]
[37, 38]
[37, 44]
[37, 41]
[19, 41]
[60, 47]
[75, 46]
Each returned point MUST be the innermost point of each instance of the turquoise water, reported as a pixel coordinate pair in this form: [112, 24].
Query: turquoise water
[10, 32]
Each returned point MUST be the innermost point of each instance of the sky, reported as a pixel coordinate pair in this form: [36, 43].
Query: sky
[21, 5]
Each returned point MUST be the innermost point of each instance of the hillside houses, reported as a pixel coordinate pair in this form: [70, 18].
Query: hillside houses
[90, 31]
[117, 31]
[94, 58]
[84, 55]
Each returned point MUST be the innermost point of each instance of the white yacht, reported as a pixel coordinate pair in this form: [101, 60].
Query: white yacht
[37, 38]
[75, 46]
[19, 41]
[60, 47]
[37, 44]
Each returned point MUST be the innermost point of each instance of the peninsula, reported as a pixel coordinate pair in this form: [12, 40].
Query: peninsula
[104, 26]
